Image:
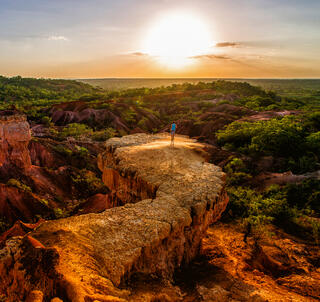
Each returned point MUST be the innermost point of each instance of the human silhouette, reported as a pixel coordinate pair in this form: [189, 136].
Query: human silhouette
[173, 132]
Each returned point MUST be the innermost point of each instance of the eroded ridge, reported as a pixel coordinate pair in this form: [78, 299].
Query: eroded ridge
[170, 196]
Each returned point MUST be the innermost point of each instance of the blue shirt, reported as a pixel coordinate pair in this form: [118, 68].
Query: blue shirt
[173, 127]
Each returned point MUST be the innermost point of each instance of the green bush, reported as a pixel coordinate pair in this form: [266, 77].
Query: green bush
[63, 150]
[129, 116]
[143, 123]
[258, 208]
[59, 213]
[47, 121]
[12, 182]
[313, 141]
[103, 135]
[88, 183]
[280, 137]
[44, 202]
[305, 195]
[75, 130]
[237, 172]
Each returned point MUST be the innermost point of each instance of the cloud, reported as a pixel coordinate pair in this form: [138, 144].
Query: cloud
[211, 57]
[227, 44]
[138, 54]
[57, 38]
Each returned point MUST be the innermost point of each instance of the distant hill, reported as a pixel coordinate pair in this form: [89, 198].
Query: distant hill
[281, 86]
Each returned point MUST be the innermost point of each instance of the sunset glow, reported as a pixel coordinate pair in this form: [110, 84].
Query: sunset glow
[176, 38]
[152, 39]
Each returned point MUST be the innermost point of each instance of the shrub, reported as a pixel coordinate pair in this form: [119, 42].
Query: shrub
[313, 141]
[44, 202]
[88, 183]
[236, 171]
[103, 135]
[304, 195]
[280, 137]
[75, 130]
[129, 116]
[47, 121]
[58, 213]
[143, 123]
[63, 150]
[259, 208]
[16, 183]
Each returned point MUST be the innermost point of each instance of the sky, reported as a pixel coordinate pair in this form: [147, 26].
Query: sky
[162, 38]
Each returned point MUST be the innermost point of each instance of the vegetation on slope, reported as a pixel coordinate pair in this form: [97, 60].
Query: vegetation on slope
[293, 142]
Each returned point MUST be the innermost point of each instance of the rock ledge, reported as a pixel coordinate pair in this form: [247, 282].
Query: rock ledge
[169, 197]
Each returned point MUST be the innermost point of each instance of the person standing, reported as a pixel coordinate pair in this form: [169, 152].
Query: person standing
[173, 132]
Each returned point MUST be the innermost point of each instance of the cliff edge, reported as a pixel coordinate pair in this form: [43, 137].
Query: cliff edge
[166, 198]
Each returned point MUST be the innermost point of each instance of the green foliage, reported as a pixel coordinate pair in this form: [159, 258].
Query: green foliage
[88, 183]
[4, 225]
[76, 130]
[313, 141]
[258, 208]
[103, 135]
[237, 172]
[288, 137]
[304, 195]
[59, 213]
[44, 202]
[279, 137]
[129, 116]
[12, 182]
[63, 150]
[31, 95]
[82, 152]
[143, 124]
[291, 205]
[47, 121]
[315, 225]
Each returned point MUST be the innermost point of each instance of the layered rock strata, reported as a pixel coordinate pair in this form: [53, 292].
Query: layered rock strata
[170, 197]
[14, 139]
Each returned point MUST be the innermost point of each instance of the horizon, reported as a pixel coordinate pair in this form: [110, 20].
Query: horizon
[160, 39]
[159, 78]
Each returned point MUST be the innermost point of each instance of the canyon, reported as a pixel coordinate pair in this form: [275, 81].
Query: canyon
[166, 198]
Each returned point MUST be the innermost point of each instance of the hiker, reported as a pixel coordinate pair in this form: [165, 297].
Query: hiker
[173, 131]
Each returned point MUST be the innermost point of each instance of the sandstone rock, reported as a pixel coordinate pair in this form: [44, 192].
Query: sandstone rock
[35, 296]
[170, 197]
[16, 204]
[41, 156]
[14, 138]
[215, 294]
[56, 300]
[96, 204]
[18, 229]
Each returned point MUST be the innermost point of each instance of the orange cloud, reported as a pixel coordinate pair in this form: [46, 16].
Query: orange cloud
[227, 44]
[211, 57]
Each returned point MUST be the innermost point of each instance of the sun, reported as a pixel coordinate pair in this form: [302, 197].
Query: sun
[176, 38]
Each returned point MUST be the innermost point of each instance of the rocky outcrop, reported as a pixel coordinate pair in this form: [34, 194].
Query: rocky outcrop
[265, 268]
[14, 139]
[170, 197]
[18, 229]
[80, 112]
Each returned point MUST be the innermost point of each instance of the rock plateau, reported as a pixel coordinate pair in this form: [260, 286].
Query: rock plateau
[168, 197]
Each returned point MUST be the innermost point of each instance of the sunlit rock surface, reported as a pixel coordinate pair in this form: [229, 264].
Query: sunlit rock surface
[169, 197]
[14, 139]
